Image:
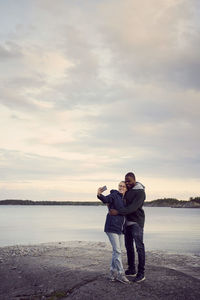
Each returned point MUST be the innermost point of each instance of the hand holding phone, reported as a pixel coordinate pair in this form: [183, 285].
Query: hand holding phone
[101, 189]
[104, 188]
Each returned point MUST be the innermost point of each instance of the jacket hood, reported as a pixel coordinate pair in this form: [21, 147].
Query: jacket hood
[138, 186]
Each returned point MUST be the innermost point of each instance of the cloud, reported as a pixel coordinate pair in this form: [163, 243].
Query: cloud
[92, 99]
[154, 41]
[28, 166]
[9, 50]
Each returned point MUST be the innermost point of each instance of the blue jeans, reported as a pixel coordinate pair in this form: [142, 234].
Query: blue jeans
[134, 233]
[116, 242]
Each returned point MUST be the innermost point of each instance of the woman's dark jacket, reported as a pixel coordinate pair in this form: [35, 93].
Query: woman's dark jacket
[114, 200]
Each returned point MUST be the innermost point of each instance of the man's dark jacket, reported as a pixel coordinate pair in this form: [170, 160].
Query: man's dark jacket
[134, 199]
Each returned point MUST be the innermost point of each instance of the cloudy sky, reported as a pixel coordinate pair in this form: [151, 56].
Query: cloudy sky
[90, 90]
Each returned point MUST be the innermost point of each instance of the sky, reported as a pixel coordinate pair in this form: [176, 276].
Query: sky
[91, 90]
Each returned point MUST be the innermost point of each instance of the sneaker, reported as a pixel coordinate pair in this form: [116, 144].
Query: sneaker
[122, 278]
[139, 278]
[112, 275]
[130, 272]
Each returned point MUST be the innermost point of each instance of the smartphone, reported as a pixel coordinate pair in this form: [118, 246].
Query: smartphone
[104, 188]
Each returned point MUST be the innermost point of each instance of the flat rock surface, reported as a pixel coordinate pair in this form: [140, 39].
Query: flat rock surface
[79, 270]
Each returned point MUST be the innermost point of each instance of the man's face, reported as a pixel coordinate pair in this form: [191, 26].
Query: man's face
[130, 182]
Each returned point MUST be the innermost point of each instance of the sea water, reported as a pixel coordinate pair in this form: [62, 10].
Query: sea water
[171, 229]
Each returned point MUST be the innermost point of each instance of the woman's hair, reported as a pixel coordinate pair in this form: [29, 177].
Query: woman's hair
[122, 181]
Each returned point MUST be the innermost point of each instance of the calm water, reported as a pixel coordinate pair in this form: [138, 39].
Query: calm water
[169, 229]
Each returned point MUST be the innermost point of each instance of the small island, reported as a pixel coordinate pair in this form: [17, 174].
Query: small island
[175, 203]
[164, 202]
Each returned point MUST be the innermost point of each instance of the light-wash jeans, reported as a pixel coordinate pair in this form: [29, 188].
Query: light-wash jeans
[116, 242]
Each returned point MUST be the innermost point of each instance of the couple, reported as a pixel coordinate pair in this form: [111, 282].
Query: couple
[126, 215]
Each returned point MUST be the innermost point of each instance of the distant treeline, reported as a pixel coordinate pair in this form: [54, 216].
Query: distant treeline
[196, 199]
[172, 202]
[30, 202]
[164, 202]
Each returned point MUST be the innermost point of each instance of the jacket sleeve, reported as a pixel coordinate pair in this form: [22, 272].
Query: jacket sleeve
[137, 202]
[105, 199]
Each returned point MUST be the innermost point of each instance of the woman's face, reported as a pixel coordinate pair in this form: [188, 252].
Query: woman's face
[122, 187]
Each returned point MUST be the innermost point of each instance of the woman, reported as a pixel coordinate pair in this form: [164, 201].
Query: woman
[113, 228]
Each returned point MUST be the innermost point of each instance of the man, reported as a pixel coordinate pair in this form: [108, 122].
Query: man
[135, 218]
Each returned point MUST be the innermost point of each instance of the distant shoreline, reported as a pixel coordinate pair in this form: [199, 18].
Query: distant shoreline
[166, 202]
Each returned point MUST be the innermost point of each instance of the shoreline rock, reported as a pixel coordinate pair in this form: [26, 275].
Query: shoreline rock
[78, 270]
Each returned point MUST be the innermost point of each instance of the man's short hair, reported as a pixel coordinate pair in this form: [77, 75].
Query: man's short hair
[131, 174]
